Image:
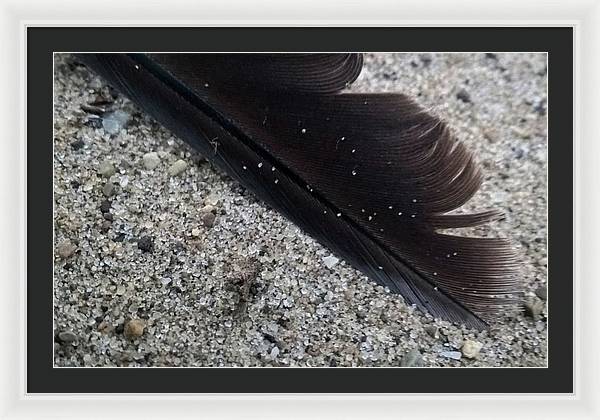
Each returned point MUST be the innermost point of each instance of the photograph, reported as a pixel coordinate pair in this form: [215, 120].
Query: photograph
[331, 210]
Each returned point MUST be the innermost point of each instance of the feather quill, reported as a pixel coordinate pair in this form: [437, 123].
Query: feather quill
[371, 176]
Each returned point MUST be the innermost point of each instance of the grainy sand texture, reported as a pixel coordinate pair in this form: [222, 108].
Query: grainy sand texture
[161, 260]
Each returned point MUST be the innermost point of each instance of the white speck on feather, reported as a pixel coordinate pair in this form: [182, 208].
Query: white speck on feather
[303, 131]
[260, 165]
[399, 213]
[276, 181]
[353, 150]
[339, 214]
[206, 85]
[353, 172]
[244, 167]
[370, 217]
[137, 67]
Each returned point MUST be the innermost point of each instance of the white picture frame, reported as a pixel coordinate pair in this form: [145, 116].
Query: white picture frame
[583, 16]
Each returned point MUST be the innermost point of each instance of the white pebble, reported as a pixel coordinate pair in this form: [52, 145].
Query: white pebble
[470, 348]
[330, 261]
[177, 167]
[151, 160]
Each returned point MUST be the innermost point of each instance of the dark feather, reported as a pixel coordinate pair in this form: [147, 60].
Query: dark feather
[371, 176]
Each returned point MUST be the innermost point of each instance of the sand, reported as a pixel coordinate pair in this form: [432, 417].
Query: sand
[161, 260]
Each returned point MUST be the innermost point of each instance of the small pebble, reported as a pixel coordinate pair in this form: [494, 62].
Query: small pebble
[542, 292]
[106, 224]
[470, 349]
[463, 96]
[196, 232]
[115, 121]
[108, 189]
[106, 169]
[134, 328]
[412, 359]
[330, 261]
[105, 206]
[66, 249]
[456, 355]
[177, 167]
[77, 144]
[208, 219]
[67, 337]
[432, 330]
[151, 160]
[534, 308]
[146, 244]
[212, 200]
[93, 109]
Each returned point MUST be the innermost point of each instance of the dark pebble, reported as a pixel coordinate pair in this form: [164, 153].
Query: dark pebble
[67, 337]
[255, 288]
[332, 363]
[543, 72]
[94, 122]
[542, 292]
[491, 56]
[120, 328]
[463, 96]
[108, 216]
[75, 184]
[540, 109]
[119, 238]
[519, 153]
[390, 76]
[208, 219]
[105, 206]
[101, 101]
[105, 226]
[425, 59]
[146, 244]
[77, 144]
[93, 109]
[432, 330]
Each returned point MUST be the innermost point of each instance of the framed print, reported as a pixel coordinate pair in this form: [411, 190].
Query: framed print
[344, 214]
[201, 283]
